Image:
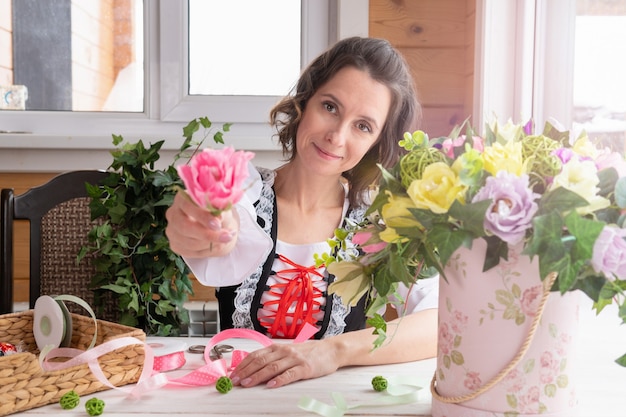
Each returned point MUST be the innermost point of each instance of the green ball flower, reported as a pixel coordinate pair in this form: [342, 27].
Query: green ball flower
[94, 407]
[379, 383]
[224, 384]
[69, 400]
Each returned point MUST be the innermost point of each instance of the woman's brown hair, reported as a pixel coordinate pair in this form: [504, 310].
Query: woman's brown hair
[385, 65]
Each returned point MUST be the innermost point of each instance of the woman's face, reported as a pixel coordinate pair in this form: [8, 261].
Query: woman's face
[341, 122]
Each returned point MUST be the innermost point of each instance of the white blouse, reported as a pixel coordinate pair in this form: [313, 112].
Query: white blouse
[254, 245]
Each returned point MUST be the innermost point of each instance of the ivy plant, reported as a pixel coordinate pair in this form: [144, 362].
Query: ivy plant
[127, 244]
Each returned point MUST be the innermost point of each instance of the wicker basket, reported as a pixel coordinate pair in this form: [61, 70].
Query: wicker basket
[25, 385]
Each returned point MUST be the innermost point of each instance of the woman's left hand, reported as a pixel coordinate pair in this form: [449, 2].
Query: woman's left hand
[281, 364]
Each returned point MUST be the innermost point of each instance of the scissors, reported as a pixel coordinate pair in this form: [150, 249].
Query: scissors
[217, 351]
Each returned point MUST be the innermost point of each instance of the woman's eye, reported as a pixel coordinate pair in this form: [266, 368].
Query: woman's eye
[330, 107]
[364, 127]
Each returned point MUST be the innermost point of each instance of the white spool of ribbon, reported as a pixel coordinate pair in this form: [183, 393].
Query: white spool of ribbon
[49, 325]
[52, 322]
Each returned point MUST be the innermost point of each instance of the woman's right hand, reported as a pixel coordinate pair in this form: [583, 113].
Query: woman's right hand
[194, 232]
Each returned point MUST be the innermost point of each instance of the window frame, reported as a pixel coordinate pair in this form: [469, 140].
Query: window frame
[533, 79]
[28, 138]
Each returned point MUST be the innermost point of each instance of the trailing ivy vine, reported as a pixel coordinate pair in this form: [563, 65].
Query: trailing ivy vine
[130, 251]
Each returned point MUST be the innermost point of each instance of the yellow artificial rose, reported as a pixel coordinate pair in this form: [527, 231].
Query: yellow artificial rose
[581, 177]
[396, 214]
[437, 189]
[584, 147]
[507, 157]
[350, 281]
[509, 132]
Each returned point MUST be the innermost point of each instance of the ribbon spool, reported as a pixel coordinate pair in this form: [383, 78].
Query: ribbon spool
[52, 322]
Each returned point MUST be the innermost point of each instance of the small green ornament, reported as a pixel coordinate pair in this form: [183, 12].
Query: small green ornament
[224, 384]
[69, 400]
[379, 383]
[94, 407]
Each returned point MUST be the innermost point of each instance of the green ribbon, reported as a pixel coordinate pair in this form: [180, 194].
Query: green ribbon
[400, 390]
[46, 349]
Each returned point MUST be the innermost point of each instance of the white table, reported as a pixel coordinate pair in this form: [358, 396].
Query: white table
[601, 384]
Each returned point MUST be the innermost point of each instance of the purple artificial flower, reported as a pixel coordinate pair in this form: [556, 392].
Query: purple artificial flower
[513, 206]
[609, 253]
[564, 154]
[528, 127]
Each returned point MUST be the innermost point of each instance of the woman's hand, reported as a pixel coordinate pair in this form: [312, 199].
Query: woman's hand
[281, 364]
[193, 232]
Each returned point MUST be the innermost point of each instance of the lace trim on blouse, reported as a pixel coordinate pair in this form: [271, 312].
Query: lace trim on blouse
[246, 291]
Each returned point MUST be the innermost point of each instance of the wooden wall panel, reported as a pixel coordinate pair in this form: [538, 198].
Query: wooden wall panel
[419, 24]
[437, 39]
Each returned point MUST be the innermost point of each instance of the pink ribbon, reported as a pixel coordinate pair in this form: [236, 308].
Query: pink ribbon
[151, 375]
[213, 370]
[147, 380]
[169, 362]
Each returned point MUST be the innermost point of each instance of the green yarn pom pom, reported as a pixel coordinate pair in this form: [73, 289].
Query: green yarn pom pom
[69, 400]
[379, 383]
[94, 407]
[538, 152]
[413, 164]
[224, 384]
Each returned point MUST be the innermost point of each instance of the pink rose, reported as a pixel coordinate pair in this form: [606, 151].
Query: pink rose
[550, 367]
[449, 145]
[514, 381]
[362, 237]
[472, 380]
[529, 402]
[446, 339]
[459, 321]
[214, 178]
[531, 298]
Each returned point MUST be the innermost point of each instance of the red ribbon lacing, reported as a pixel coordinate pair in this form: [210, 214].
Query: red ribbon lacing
[294, 289]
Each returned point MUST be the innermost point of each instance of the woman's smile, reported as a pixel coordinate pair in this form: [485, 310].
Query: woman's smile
[325, 154]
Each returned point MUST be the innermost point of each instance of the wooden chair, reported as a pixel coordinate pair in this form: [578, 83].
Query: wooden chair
[60, 219]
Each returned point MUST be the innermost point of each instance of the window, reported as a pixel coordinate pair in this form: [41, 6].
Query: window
[166, 98]
[599, 97]
[261, 57]
[68, 55]
[566, 64]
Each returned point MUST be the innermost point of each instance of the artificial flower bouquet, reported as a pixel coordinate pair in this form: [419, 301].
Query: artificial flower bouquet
[563, 200]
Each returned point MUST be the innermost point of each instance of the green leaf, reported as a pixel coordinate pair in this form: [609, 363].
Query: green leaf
[621, 360]
[620, 192]
[117, 139]
[511, 400]
[447, 241]
[529, 365]
[504, 297]
[550, 390]
[205, 122]
[191, 128]
[472, 215]
[119, 289]
[558, 200]
[218, 137]
[457, 357]
[608, 178]
[496, 249]
[379, 325]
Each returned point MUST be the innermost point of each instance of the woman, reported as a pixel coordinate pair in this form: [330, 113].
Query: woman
[347, 113]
